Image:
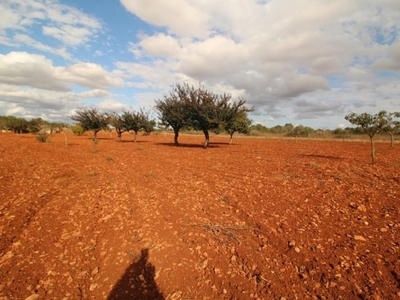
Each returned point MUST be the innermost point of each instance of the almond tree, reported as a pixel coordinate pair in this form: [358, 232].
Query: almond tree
[207, 111]
[171, 112]
[197, 108]
[116, 121]
[371, 125]
[204, 110]
[393, 125]
[237, 119]
[137, 120]
[91, 119]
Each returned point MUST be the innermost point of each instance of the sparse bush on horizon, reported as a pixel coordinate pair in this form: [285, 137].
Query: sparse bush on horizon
[42, 136]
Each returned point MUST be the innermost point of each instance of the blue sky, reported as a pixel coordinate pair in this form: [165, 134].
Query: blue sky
[306, 62]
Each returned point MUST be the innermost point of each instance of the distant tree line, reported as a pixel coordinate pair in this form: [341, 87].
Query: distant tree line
[287, 130]
[21, 125]
[188, 108]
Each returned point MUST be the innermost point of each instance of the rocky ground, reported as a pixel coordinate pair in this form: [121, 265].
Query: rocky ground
[260, 219]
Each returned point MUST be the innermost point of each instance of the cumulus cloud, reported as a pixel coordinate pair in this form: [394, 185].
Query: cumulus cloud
[90, 75]
[391, 62]
[213, 57]
[68, 34]
[28, 41]
[110, 105]
[95, 93]
[64, 23]
[22, 68]
[160, 45]
[292, 58]
[272, 54]
[306, 109]
[30, 102]
[327, 65]
[157, 74]
[179, 16]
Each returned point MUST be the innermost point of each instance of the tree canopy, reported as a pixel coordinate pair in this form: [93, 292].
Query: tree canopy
[197, 108]
[392, 125]
[371, 124]
[91, 119]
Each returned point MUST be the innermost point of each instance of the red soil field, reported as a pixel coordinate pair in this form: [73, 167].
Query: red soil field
[260, 219]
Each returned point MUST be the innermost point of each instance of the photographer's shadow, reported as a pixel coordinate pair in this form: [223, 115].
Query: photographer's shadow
[137, 282]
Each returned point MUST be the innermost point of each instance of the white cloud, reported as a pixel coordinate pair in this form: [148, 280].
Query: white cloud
[111, 105]
[15, 111]
[297, 84]
[95, 93]
[62, 22]
[213, 57]
[160, 45]
[32, 102]
[391, 62]
[180, 16]
[27, 40]
[158, 73]
[292, 58]
[310, 109]
[98, 53]
[69, 35]
[327, 65]
[272, 52]
[22, 68]
[90, 75]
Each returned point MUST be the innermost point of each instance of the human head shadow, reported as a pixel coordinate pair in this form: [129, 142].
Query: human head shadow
[137, 282]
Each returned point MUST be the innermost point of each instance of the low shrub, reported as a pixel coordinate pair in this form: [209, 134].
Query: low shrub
[77, 129]
[42, 136]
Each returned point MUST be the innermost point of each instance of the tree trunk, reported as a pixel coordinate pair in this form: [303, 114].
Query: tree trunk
[372, 150]
[119, 135]
[65, 138]
[391, 139]
[95, 141]
[176, 137]
[207, 138]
